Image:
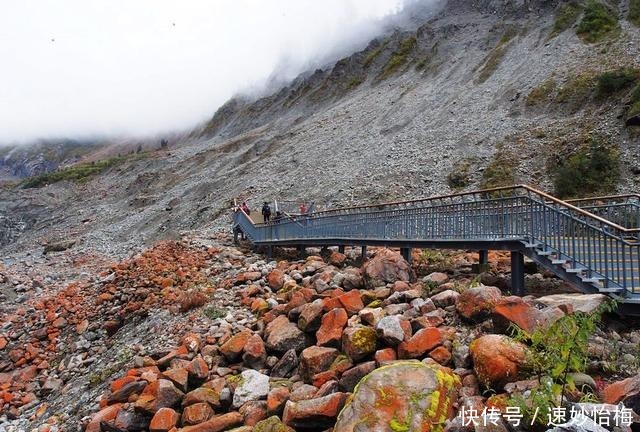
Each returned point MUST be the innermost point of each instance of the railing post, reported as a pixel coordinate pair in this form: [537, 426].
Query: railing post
[517, 274]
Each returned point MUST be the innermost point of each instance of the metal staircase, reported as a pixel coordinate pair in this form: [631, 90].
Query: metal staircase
[593, 243]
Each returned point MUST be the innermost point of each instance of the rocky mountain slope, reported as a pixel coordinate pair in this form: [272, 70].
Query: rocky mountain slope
[197, 334]
[484, 93]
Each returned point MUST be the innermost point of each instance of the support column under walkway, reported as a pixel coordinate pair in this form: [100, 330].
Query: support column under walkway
[517, 274]
[406, 254]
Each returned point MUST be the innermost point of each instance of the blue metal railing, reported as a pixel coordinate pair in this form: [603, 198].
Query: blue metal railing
[607, 252]
[623, 210]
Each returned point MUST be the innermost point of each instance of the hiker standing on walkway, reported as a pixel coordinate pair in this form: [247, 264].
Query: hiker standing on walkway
[303, 209]
[245, 208]
[266, 212]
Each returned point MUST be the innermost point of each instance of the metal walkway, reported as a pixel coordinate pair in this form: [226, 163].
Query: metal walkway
[593, 244]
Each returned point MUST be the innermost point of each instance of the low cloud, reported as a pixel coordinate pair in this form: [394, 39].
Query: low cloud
[147, 66]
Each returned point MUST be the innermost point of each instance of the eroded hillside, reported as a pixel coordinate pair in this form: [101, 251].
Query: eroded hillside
[482, 94]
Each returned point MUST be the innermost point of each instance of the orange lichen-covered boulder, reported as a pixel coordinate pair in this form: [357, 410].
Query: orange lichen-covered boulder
[497, 359]
[626, 391]
[513, 310]
[478, 302]
[402, 396]
[386, 266]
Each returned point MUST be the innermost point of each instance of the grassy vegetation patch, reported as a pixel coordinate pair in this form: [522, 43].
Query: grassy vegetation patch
[355, 82]
[635, 103]
[494, 58]
[566, 16]
[634, 12]
[373, 55]
[592, 170]
[598, 22]
[460, 175]
[612, 82]
[541, 93]
[501, 171]
[577, 89]
[399, 57]
[79, 172]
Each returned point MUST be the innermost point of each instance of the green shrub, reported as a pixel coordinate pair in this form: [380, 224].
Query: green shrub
[541, 93]
[597, 23]
[634, 12]
[78, 172]
[400, 56]
[613, 81]
[566, 16]
[588, 171]
[635, 102]
[555, 352]
[459, 177]
[501, 171]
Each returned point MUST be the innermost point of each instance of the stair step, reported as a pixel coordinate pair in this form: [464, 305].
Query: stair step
[610, 290]
[559, 261]
[545, 253]
[593, 279]
[532, 245]
[574, 270]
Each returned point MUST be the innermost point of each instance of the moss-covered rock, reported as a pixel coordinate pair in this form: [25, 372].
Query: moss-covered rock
[403, 396]
[358, 342]
[272, 424]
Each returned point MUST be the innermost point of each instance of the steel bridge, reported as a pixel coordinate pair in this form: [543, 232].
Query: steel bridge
[593, 244]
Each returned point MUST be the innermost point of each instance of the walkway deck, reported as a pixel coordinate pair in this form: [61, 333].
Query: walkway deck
[593, 244]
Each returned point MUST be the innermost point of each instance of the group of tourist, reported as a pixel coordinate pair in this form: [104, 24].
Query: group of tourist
[266, 211]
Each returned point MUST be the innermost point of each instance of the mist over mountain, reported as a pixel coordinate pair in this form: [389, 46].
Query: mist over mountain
[137, 69]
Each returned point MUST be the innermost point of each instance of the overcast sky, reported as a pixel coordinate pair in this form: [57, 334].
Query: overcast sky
[79, 67]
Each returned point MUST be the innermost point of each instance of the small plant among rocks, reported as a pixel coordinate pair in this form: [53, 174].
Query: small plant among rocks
[213, 312]
[556, 353]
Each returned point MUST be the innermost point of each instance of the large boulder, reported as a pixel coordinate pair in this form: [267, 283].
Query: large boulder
[283, 335]
[513, 310]
[159, 394]
[478, 302]
[385, 267]
[314, 414]
[252, 386]
[402, 396]
[331, 326]
[315, 359]
[420, 343]
[586, 303]
[497, 359]
[626, 391]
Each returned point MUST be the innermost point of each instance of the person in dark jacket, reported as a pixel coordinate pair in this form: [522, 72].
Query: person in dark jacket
[266, 212]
